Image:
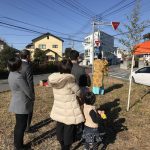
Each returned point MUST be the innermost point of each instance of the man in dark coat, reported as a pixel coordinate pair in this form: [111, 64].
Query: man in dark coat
[27, 72]
[77, 70]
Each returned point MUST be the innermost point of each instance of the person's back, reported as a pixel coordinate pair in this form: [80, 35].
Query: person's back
[66, 109]
[26, 69]
[77, 70]
[91, 133]
[27, 73]
[21, 102]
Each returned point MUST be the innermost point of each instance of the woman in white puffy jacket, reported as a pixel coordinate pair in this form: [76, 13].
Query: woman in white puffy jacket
[66, 109]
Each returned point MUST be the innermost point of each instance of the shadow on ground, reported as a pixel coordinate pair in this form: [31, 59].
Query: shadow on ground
[38, 140]
[40, 124]
[113, 125]
[114, 86]
[140, 100]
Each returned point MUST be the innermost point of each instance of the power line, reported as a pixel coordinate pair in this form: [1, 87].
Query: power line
[120, 9]
[37, 14]
[29, 30]
[47, 29]
[20, 27]
[81, 6]
[110, 8]
[15, 34]
[77, 8]
[46, 5]
[75, 11]
[100, 16]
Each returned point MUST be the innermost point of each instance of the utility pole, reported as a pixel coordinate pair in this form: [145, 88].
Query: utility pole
[94, 23]
[72, 44]
[92, 52]
[113, 24]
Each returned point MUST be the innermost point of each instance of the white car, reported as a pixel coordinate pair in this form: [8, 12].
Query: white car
[142, 76]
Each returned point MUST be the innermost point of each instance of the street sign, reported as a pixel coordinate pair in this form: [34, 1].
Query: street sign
[115, 25]
[97, 43]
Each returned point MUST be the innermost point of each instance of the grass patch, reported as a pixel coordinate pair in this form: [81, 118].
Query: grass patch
[124, 130]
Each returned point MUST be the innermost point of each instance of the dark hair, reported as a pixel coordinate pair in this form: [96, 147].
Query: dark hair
[24, 54]
[74, 55]
[65, 66]
[84, 80]
[14, 64]
[89, 98]
[99, 56]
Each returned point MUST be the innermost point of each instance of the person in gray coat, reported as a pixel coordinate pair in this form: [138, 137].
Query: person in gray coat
[27, 72]
[21, 102]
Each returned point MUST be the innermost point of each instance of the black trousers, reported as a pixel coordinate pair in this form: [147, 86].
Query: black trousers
[21, 124]
[64, 134]
[29, 121]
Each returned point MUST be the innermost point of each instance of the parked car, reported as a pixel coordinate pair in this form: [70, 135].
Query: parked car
[142, 76]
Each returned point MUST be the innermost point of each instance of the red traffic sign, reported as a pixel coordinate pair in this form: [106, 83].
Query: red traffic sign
[115, 25]
[97, 43]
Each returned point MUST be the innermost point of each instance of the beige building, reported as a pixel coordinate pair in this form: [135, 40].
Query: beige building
[50, 43]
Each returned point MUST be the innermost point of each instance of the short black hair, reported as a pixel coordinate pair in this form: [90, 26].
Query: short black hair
[74, 55]
[24, 53]
[14, 64]
[65, 66]
[89, 98]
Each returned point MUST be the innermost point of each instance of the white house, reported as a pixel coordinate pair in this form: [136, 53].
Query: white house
[103, 43]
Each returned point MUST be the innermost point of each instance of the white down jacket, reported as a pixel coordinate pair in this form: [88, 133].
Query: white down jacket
[66, 108]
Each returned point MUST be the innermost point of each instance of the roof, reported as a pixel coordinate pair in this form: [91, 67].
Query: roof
[142, 48]
[49, 50]
[45, 35]
[29, 45]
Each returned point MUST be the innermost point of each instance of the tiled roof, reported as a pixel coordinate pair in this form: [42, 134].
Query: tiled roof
[45, 35]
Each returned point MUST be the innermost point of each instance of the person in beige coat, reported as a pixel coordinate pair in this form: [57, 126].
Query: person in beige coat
[66, 109]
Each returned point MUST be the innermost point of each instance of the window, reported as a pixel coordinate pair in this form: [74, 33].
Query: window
[54, 46]
[42, 46]
[144, 70]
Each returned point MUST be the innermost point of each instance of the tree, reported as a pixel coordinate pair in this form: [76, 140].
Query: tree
[40, 55]
[134, 29]
[7, 53]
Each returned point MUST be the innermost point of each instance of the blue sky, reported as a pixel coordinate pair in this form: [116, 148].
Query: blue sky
[63, 18]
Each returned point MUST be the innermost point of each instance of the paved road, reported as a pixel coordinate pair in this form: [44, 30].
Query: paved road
[4, 83]
[114, 71]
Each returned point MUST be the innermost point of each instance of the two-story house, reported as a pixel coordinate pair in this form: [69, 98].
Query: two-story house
[51, 44]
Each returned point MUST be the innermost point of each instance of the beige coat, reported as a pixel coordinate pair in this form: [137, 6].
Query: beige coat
[66, 108]
[88, 120]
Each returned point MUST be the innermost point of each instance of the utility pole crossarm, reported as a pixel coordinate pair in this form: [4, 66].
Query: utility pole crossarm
[102, 23]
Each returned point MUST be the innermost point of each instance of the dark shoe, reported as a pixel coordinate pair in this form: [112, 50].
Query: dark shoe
[24, 147]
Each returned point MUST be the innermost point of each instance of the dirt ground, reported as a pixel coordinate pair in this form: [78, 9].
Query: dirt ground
[123, 130]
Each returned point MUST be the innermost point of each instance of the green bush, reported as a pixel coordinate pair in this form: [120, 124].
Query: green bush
[49, 67]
